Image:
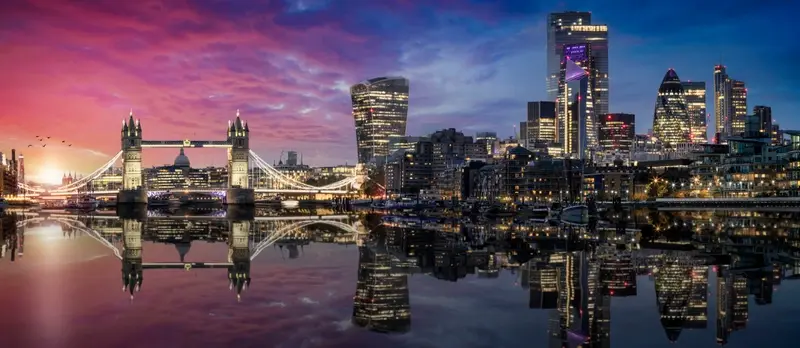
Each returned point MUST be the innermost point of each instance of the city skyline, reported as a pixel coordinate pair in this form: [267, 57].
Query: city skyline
[288, 67]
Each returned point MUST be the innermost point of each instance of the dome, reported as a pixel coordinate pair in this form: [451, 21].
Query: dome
[181, 161]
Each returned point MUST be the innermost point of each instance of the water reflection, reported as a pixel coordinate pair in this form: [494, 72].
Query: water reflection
[700, 264]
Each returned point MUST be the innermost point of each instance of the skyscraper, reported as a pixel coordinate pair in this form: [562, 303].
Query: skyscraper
[671, 122]
[541, 122]
[762, 113]
[616, 133]
[739, 107]
[730, 104]
[577, 125]
[569, 28]
[380, 110]
[721, 101]
[696, 106]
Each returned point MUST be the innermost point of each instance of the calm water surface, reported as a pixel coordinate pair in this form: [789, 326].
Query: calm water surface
[285, 279]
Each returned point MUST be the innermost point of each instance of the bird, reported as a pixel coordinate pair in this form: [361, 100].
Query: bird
[30, 145]
[63, 141]
[69, 145]
[41, 139]
[45, 145]
[48, 137]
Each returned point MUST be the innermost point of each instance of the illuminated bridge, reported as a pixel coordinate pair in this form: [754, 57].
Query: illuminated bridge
[248, 173]
[246, 239]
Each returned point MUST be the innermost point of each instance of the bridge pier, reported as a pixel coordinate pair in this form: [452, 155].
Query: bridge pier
[132, 197]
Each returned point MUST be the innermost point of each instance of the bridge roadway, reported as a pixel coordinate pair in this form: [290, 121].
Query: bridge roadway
[173, 217]
[257, 190]
[185, 143]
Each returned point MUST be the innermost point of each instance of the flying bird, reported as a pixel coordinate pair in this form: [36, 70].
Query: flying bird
[69, 145]
[63, 141]
[30, 145]
[48, 137]
[41, 139]
[45, 145]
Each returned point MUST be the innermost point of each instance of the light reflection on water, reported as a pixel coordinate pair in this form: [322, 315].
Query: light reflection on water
[697, 279]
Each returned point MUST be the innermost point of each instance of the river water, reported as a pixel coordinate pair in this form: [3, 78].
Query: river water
[320, 278]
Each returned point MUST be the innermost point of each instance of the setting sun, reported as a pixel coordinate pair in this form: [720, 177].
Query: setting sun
[50, 176]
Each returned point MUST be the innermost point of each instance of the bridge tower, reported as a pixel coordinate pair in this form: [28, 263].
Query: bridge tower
[132, 274]
[132, 191]
[239, 256]
[239, 191]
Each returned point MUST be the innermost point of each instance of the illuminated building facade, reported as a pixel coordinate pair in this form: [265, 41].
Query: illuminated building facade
[616, 133]
[695, 92]
[739, 105]
[9, 175]
[671, 121]
[541, 125]
[381, 302]
[487, 139]
[730, 104]
[180, 175]
[380, 110]
[577, 128]
[569, 28]
[763, 116]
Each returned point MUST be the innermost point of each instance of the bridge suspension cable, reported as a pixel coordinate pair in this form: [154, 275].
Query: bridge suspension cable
[91, 233]
[277, 235]
[274, 173]
[73, 186]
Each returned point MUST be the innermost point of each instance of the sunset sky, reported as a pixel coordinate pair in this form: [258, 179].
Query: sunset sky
[73, 69]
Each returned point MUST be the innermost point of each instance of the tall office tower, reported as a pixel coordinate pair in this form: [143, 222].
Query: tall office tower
[738, 106]
[523, 133]
[542, 122]
[721, 101]
[380, 110]
[616, 133]
[569, 28]
[577, 125]
[696, 106]
[764, 116]
[291, 158]
[730, 104]
[671, 122]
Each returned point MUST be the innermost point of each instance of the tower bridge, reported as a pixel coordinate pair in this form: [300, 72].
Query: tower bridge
[246, 239]
[242, 162]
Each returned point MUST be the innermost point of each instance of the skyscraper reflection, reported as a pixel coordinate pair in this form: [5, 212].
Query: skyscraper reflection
[381, 302]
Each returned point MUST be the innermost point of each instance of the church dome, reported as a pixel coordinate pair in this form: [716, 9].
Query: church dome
[182, 161]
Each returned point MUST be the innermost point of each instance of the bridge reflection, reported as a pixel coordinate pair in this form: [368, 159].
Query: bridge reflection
[246, 239]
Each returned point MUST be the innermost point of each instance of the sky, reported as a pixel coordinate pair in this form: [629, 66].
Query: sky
[72, 70]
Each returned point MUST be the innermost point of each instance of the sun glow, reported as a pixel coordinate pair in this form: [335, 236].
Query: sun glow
[50, 176]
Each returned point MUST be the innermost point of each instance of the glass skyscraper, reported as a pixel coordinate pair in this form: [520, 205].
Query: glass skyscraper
[730, 104]
[696, 106]
[380, 110]
[569, 28]
[671, 122]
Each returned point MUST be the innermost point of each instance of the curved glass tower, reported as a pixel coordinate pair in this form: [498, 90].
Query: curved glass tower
[380, 110]
[671, 121]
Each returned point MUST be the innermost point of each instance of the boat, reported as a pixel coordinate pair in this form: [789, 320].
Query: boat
[84, 203]
[290, 203]
[577, 214]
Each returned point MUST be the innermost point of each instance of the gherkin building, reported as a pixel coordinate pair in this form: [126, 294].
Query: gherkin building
[671, 122]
